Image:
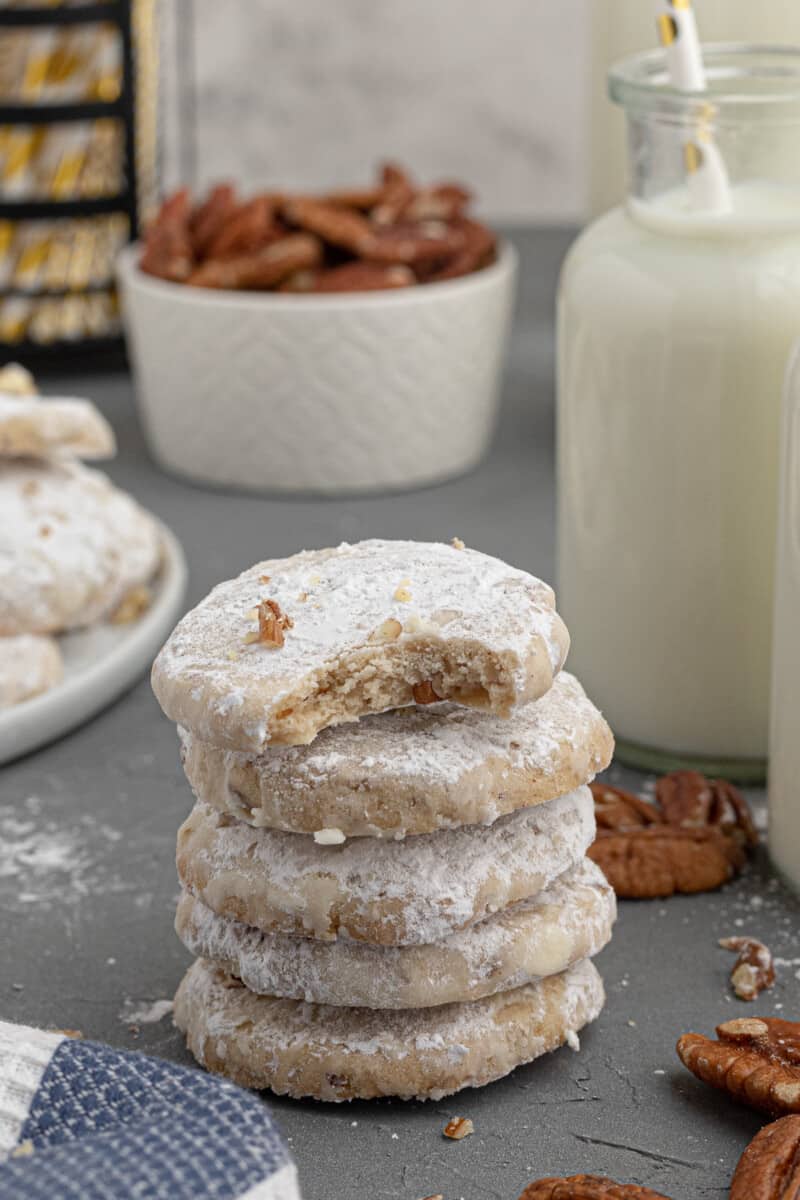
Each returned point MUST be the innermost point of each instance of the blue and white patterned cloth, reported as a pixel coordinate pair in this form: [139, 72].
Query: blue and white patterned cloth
[81, 1121]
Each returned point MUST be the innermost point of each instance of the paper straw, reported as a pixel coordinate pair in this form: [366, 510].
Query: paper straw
[706, 174]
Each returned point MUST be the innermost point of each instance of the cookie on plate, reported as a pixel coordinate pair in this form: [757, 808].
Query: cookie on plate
[372, 890]
[29, 665]
[410, 771]
[295, 645]
[40, 428]
[72, 546]
[569, 920]
[329, 1053]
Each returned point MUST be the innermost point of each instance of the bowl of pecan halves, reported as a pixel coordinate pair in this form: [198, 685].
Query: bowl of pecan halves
[336, 343]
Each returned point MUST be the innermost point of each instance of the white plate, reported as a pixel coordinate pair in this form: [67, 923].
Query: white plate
[99, 664]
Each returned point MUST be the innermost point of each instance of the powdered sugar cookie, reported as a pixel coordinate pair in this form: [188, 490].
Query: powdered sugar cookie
[371, 890]
[570, 920]
[71, 546]
[29, 665]
[300, 1049]
[297, 644]
[412, 770]
[30, 425]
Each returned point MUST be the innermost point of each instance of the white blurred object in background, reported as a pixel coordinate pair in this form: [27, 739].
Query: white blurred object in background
[675, 327]
[784, 748]
[623, 27]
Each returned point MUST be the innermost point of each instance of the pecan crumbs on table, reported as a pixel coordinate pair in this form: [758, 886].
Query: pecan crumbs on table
[754, 971]
[694, 840]
[394, 234]
[587, 1187]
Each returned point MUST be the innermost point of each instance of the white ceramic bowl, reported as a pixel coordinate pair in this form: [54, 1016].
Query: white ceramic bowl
[318, 393]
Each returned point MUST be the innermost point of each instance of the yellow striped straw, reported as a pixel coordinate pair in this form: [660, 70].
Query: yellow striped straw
[706, 174]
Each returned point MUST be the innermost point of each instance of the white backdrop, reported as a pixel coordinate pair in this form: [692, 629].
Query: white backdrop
[313, 92]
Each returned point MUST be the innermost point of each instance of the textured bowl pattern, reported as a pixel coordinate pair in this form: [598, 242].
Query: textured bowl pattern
[319, 393]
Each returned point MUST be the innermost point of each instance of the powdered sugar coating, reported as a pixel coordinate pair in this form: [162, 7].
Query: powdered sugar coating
[488, 635]
[336, 1054]
[29, 665]
[413, 770]
[41, 428]
[567, 921]
[413, 892]
[71, 546]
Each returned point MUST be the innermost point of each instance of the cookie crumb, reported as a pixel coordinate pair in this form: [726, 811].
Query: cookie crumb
[572, 1040]
[457, 543]
[329, 837]
[23, 1150]
[458, 1128]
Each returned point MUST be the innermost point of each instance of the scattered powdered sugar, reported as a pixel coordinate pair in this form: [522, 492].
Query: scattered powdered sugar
[43, 863]
[149, 1014]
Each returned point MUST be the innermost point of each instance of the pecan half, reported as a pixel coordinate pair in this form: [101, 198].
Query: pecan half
[691, 801]
[398, 192]
[355, 277]
[756, 1061]
[261, 269]
[769, 1169]
[211, 216]
[615, 808]
[477, 249]
[754, 970]
[643, 863]
[251, 225]
[587, 1187]
[167, 242]
[693, 841]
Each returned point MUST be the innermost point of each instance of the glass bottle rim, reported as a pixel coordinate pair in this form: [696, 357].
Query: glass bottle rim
[745, 83]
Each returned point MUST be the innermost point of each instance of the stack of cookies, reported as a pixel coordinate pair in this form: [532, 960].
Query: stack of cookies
[384, 876]
[74, 549]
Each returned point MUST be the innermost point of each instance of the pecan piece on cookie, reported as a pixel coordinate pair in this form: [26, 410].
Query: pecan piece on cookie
[644, 863]
[587, 1187]
[769, 1169]
[691, 801]
[754, 971]
[756, 1060]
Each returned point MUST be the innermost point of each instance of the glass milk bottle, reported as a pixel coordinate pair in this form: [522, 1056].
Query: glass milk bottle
[675, 328]
[784, 745]
[619, 27]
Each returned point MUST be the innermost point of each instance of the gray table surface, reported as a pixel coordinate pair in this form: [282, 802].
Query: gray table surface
[87, 885]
